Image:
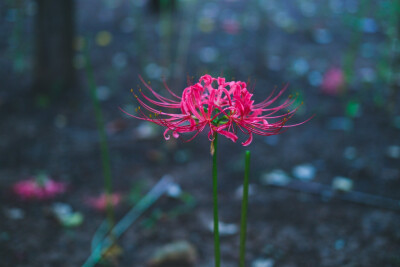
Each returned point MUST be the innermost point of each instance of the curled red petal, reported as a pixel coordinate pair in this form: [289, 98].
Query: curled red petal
[229, 135]
[249, 140]
[175, 134]
[166, 135]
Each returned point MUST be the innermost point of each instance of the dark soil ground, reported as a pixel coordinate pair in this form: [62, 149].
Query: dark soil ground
[286, 227]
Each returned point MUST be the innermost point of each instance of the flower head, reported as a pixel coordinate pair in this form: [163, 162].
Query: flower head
[222, 107]
[40, 187]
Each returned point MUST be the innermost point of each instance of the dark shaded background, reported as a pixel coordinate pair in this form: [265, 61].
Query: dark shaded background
[47, 123]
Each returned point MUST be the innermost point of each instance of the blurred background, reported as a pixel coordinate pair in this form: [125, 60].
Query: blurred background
[325, 193]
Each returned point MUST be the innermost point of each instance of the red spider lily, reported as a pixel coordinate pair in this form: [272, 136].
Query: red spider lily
[223, 106]
[40, 188]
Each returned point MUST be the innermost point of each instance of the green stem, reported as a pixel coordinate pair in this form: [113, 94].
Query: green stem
[215, 202]
[105, 157]
[243, 221]
[165, 32]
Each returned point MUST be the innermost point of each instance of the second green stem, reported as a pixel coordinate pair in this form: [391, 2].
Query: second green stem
[215, 203]
[243, 221]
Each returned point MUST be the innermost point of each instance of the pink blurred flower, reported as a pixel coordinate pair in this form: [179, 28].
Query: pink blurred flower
[100, 202]
[223, 107]
[40, 188]
[231, 26]
[333, 81]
